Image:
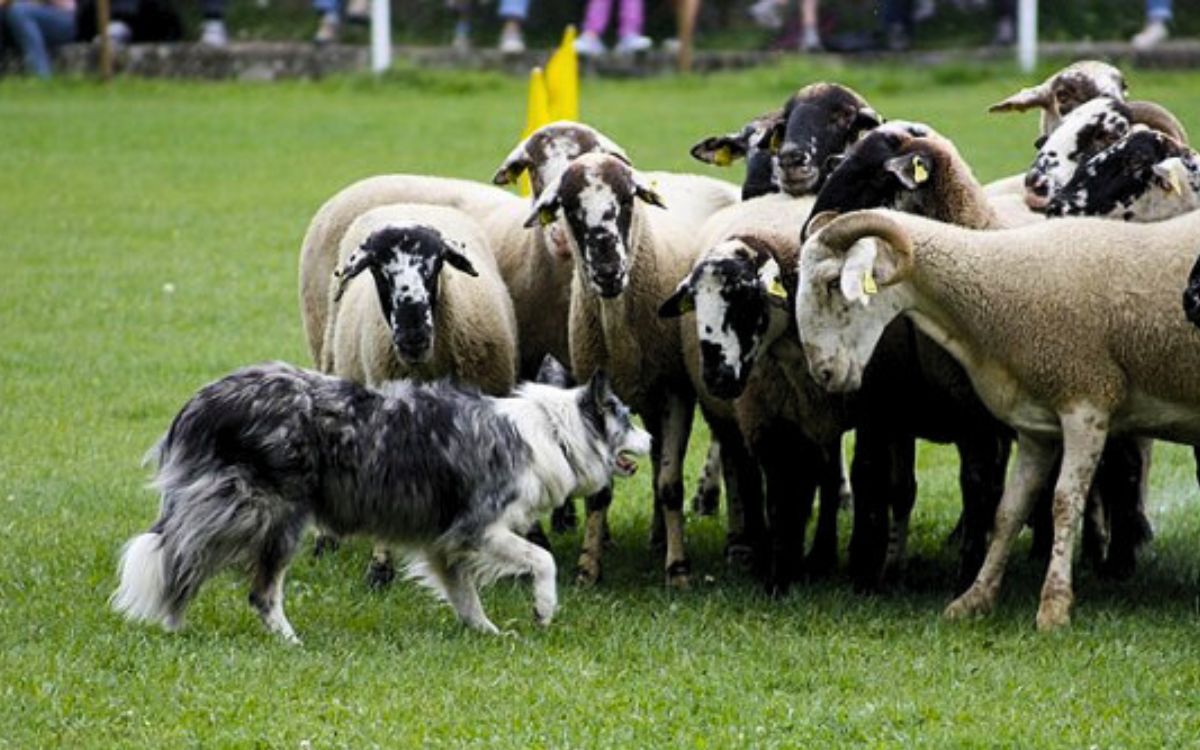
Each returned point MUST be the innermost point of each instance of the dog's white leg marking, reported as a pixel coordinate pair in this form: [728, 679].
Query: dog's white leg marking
[1084, 432]
[514, 554]
[1035, 458]
[456, 582]
[271, 610]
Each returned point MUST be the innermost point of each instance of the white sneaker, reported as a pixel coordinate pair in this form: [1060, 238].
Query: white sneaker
[119, 33]
[767, 13]
[810, 41]
[359, 11]
[511, 41]
[631, 44]
[328, 29]
[213, 33]
[589, 45]
[1155, 32]
[671, 45]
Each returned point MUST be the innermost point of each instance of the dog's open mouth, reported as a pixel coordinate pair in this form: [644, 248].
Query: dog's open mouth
[625, 464]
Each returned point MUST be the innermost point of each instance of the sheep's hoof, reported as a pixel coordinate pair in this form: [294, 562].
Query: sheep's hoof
[325, 544]
[588, 574]
[1054, 613]
[706, 501]
[380, 574]
[740, 555]
[678, 575]
[971, 604]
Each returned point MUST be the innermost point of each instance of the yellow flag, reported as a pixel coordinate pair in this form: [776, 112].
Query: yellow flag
[562, 79]
[537, 115]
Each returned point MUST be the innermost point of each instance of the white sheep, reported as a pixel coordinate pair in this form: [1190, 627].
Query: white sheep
[1069, 330]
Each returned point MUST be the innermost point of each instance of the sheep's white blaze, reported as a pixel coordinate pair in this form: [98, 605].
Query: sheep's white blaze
[1065, 149]
[712, 312]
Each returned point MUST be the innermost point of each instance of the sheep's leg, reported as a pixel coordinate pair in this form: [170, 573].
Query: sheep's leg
[382, 570]
[903, 498]
[1121, 478]
[983, 460]
[674, 428]
[1083, 442]
[1035, 459]
[594, 526]
[794, 465]
[743, 492]
[822, 559]
[708, 490]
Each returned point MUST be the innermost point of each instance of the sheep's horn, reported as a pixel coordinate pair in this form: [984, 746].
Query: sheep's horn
[1035, 96]
[815, 223]
[841, 233]
[1159, 118]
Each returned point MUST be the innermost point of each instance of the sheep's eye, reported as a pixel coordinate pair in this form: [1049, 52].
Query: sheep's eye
[833, 286]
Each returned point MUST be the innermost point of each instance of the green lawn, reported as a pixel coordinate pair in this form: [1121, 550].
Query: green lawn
[112, 194]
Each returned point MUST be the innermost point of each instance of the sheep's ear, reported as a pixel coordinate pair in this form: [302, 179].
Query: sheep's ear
[1035, 96]
[870, 263]
[545, 208]
[359, 261]
[514, 165]
[772, 137]
[1167, 175]
[1040, 141]
[913, 170]
[720, 150]
[865, 119]
[647, 192]
[681, 300]
[455, 255]
[816, 223]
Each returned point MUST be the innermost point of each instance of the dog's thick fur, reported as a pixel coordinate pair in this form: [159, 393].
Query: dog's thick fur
[441, 471]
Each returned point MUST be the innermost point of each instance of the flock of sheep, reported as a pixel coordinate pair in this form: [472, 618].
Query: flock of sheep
[863, 280]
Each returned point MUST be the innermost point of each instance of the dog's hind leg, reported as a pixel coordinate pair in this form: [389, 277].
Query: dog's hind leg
[266, 594]
[506, 553]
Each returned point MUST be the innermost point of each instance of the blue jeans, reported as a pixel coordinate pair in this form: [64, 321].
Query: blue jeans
[36, 28]
[1158, 10]
[514, 9]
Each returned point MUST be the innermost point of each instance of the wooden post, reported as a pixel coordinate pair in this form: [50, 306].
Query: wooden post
[105, 62]
[685, 22]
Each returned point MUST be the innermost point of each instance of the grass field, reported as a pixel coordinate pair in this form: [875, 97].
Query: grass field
[149, 234]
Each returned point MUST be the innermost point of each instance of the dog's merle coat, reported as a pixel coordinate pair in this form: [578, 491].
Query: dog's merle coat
[437, 469]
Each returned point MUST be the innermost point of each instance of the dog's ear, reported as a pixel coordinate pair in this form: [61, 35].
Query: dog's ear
[553, 372]
[599, 387]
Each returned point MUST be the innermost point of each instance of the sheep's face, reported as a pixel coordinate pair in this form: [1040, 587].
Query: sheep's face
[819, 121]
[1146, 176]
[749, 144]
[1191, 295]
[867, 176]
[595, 194]
[736, 293]
[547, 151]
[1083, 82]
[844, 302]
[1089, 129]
[405, 263]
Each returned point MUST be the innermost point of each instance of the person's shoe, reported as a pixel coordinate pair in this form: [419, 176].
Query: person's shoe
[328, 29]
[589, 45]
[1005, 34]
[359, 12]
[810, 41]
[631, 44]
[213, 33]
[1154, 33]
[511, 41]
[671, 45]
[119, 33]
[767, 13]
[462, 42]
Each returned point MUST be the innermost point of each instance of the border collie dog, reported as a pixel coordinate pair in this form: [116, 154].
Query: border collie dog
[448, 475]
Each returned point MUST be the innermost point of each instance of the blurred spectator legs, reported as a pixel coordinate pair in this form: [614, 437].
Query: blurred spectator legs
[329, 25]
[1005, 12]
[1158, 15]
[513, 14]
[897, 19]
[36, 28]
[630, 39]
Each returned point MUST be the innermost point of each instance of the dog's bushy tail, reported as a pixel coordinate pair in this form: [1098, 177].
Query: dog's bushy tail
[142, 593]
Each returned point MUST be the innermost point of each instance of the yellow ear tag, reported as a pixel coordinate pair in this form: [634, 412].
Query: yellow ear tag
[686, 305]
[545, 217]
[775, 289]
[868, 285]
[776, 141]
[514, 173]
[920, 174]
[723, 157]
[1174, 186]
